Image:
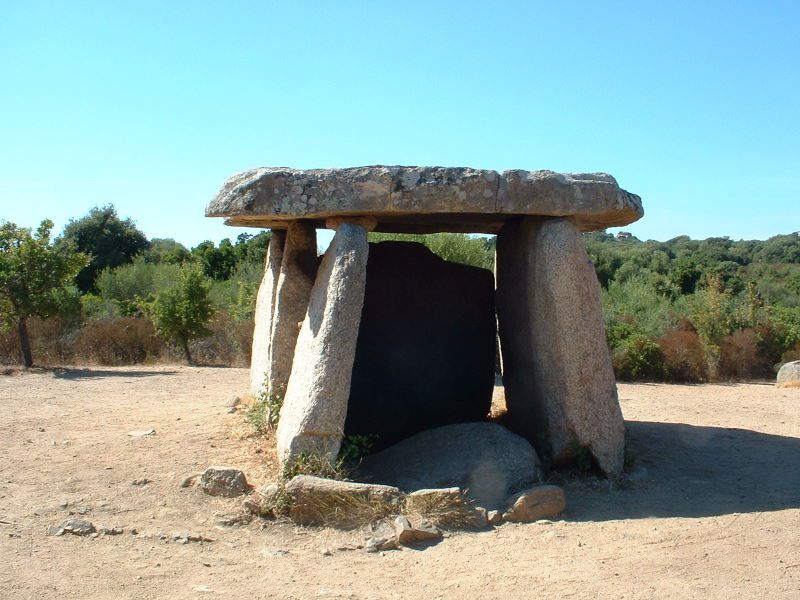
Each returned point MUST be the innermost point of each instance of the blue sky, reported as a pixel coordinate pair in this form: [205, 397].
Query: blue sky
[152, 105]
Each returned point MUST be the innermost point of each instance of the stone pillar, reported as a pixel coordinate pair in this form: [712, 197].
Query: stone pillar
[315, 405]
[296, 278]
[559, 382]
[265, 307]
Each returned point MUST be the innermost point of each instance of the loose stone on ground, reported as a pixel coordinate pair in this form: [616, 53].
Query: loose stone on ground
[224, 481]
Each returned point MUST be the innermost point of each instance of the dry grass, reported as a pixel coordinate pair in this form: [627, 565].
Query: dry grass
[344, 510]
[449, 511]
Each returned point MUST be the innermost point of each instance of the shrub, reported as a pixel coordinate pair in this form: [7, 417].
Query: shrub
[740, 357]
[684, 356]
[638, 357]
[118, 341]
[139, 279]
[636, 303]
[264, 412]
[229, 343]
[182, 313]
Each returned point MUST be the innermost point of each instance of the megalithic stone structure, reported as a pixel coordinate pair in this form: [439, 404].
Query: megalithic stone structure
[265, 307]
[560, 388]
[559, 382]
[315, 406]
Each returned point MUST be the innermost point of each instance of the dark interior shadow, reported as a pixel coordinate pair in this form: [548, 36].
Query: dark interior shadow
[90, 373]
[684, 470]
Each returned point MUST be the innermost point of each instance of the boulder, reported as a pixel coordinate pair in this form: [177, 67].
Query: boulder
[426, 345]
[224, 481]
[422, 199]
[319, 501]
[540, 502]
[484, 459]
[559, 383]
[789, 375]
[315, 405]
[264, 312]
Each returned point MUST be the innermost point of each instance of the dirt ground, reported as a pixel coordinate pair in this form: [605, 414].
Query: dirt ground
[712, 509]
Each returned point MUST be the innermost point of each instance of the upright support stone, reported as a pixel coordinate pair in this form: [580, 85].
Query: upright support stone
[295, 281]
[265, 308]
[315, 406]
[559, 382]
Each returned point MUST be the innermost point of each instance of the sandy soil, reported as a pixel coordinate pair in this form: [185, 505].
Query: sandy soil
[712, 509]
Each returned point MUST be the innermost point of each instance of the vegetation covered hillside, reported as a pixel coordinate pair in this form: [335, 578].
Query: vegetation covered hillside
[681, 310]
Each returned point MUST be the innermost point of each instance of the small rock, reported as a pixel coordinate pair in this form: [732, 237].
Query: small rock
[408, 534]
[233, 405]
[264, 502]
[141, 482]
[189, 481]
[495, 517]
[55, 530]
[110, 530]
[141, 434]
[77, 527]
[327, 552]
[536, 503]
[233, 519]
[381, 537]
[482, 516]
[185, 538]
[224, 481]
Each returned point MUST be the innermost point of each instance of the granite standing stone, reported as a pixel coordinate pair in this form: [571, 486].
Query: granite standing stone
[265, 308]
[298, 269]
[315, 405]
[559, 382]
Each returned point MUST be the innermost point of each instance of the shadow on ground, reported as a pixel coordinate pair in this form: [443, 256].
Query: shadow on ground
[684, 470]
[76, 374]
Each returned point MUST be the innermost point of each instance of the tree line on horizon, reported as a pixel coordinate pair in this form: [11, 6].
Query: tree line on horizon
[101, 292]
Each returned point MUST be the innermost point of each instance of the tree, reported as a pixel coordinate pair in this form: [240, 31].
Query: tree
[109, 240]
[182, 312]
[34, 275]
[218, 262]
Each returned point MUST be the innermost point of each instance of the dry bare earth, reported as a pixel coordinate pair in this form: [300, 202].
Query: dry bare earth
[713, 511]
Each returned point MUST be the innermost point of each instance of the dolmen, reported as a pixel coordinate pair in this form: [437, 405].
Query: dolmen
[384, 340]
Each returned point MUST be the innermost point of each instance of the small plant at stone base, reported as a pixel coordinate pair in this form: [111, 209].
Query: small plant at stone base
[316, 463]
[265, 411]
[356, 447]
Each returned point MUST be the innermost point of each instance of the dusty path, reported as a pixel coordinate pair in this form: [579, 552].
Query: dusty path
[713, 510]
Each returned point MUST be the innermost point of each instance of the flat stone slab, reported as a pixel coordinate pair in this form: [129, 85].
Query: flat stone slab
[422, 199]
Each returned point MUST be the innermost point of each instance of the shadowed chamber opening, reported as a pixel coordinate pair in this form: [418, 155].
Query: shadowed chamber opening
[425, 355]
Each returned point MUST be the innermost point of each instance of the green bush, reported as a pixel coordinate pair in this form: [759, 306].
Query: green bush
[181, 313]
[638, 357]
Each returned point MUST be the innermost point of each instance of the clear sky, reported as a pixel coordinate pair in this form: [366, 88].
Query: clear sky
[150, 106]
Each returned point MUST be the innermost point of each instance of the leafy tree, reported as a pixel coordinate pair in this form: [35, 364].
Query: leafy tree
[181, 313]
[167, 251]
[109, 240]
[34, 277]
[218, 263]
